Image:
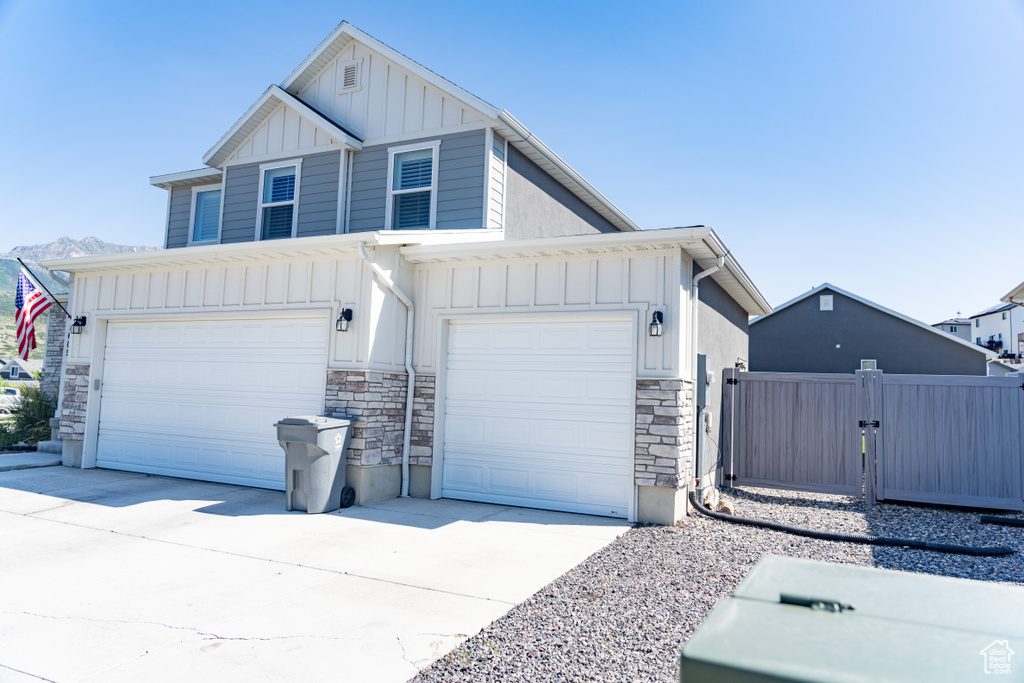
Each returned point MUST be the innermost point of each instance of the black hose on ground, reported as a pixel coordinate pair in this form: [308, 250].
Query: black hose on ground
[849, 538]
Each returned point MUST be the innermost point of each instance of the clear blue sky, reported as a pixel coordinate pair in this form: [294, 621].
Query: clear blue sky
[877, 145]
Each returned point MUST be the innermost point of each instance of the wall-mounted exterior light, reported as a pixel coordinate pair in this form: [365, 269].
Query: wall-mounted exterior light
[656, 324]
[344, 318]
[78, 325]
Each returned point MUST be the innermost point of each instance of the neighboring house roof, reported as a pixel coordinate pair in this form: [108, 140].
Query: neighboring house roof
[501, 120]
[883, 309]
[954, 321]
[1004, 366]
[29, 366]
[703, 244]
[999, 308]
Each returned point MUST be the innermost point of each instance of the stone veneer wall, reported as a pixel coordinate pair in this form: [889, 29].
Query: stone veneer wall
[53, 358]
[377, 401]
[76, 395]
[663, 454]
[421, 451]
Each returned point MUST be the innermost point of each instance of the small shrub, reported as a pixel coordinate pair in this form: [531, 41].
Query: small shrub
[30, 418]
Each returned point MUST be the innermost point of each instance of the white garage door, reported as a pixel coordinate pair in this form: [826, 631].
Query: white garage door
[198, 399]
[540, 414]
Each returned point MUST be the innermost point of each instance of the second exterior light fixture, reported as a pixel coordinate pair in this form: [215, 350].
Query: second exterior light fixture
[656, 324]
[344, 318]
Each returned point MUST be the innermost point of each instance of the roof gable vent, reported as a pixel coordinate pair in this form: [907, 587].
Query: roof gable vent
[348, 76]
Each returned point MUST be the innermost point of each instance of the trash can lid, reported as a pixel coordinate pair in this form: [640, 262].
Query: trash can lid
[320, 421]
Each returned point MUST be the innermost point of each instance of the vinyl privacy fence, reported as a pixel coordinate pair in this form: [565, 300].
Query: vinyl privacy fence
[953, 440]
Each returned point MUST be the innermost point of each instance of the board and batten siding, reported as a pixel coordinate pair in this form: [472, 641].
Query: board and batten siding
[569, 285]
[461, 178]
[496, 180]
[283, 132]
[389, 102]
[258, 287]
[178, 217]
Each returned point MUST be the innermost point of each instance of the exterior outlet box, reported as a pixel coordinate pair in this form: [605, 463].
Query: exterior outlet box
[846, 623]
[701, 390]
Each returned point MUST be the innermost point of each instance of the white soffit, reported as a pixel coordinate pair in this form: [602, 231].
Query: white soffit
[702, 244]
[200, 176]
[883, 309]
[259, 111]
[1015, 296]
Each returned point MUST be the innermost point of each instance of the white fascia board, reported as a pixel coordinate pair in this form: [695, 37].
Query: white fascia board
[186, 177]
[623, 221]
[346, 32]
[1015, 296]
[883, 309]
[255, 115]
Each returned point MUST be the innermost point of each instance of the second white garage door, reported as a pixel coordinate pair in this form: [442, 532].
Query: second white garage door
[540, 414]
[198, 399]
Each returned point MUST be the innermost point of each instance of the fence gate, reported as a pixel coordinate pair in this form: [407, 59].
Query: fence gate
[952, 440]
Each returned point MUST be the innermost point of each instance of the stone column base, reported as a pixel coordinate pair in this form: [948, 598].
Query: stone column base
[660, 505]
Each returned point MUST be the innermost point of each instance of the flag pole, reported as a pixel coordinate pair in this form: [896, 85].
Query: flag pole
[52, 297]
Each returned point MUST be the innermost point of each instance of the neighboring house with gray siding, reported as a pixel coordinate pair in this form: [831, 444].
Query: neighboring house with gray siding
[831, 330]
[958, 327]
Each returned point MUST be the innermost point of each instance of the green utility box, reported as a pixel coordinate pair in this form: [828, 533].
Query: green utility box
[801, 620]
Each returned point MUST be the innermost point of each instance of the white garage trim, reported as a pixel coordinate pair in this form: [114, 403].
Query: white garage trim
[301, 376]
[505, 434]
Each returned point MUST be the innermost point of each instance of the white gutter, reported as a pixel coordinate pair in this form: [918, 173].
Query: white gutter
[695, 317]
[411, 388]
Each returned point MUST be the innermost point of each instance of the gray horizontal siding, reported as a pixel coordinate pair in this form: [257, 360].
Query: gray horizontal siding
[241, 185]
[318, 195]
[461, 176]
[178, 218]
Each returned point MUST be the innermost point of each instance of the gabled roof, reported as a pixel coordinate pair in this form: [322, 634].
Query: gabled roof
[998, 308]
[504, 123]
[954, 321]
[259, 111]
[26, 365]
[883, 309]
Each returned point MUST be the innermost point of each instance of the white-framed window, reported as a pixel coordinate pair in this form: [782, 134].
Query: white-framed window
[204, 221]
[1004, 315]
[977, 322]
[869, 364]
[15, 372]
[978, 341]
[825, 302]
[952, 328]
[412, 187]
[279, 198]
[350, 76]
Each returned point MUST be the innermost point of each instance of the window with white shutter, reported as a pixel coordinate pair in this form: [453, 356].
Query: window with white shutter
[279, 191]
[412, 190]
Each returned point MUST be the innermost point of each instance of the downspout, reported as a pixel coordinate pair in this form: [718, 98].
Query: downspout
[410, 390]
[694, 318]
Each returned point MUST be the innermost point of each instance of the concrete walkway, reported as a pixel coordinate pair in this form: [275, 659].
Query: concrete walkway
[111, 576]
[27, 460]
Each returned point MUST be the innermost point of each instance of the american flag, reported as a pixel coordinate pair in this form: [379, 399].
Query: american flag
[29, 303]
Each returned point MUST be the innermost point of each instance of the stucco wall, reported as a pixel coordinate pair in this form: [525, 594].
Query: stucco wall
[802, 338]
[536, 205]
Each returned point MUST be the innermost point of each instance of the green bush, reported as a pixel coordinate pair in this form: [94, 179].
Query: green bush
[30, 418]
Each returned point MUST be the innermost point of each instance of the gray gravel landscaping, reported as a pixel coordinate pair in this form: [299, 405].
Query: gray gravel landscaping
[623, 614]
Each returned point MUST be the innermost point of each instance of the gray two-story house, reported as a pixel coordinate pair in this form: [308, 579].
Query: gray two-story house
[371, 240]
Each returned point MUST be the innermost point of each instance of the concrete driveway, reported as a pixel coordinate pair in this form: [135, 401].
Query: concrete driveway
[112, 576]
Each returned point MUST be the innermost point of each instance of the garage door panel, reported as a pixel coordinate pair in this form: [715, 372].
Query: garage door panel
[199, 398]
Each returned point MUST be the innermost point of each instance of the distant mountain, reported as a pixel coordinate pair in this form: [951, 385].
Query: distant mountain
[64, 247]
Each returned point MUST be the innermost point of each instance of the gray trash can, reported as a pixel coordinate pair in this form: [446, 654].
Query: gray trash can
[314, 462]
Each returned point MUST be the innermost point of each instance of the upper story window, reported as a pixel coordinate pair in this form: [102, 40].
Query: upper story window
[279, 191]
[952, 328]
[15, 372]
[1004, 315]
[977, 322]
[204, 223]
[412, 189]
